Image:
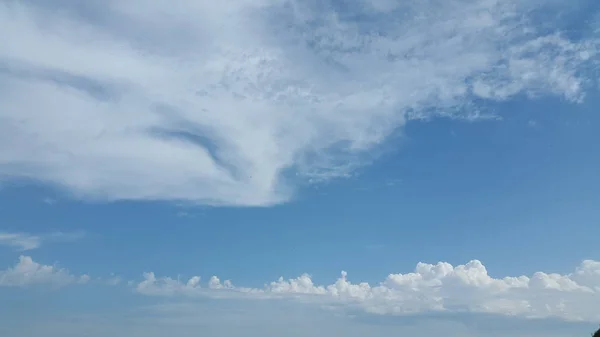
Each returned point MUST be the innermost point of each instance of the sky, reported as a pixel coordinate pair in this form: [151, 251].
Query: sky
[299, 167]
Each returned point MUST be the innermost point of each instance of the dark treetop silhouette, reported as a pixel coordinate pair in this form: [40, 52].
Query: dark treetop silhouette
[596, 334]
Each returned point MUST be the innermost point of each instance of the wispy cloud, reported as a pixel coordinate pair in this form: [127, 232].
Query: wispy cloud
[113, 280]
[64, 236]
[283, 318]
[20, 241]
[26, 241]
[231, 103]
[49, 201]
[430, 288]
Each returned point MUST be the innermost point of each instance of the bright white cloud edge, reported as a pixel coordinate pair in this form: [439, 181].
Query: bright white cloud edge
[440, 288]
[430, 288]
[29, 273]
[263, 89]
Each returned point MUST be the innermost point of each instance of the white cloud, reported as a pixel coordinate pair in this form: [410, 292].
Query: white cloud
[224, 103]
[64, 236]
[113, 280]
[21, 241]
[28, 272]
[26, 241]
[430, 288]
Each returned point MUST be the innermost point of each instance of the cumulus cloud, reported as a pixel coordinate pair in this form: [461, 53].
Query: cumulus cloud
[28, 272]
[26, 241]
[232, 103]
[437, 287]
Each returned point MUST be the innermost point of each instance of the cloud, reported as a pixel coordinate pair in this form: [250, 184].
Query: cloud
[49, 201]
[275, 319]
[25, 241]
[64, 236]
[28, 272]
[430, 288]
[20, 241]
[402, 302]
[113, 280]
[236, 103]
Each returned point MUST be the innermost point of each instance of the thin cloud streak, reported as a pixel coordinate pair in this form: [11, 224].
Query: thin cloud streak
[20, 241]
[26, 241]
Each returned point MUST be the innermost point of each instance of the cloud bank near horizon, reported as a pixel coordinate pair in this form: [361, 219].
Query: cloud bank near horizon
[233, 104]
[437, 287]
[430, 288]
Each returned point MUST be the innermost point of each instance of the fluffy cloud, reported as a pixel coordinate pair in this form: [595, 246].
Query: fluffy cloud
[231, 103]
[25, 241]
[430, 288]
[28, 272]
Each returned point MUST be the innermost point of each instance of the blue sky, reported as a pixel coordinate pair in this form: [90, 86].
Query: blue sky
[404, 166]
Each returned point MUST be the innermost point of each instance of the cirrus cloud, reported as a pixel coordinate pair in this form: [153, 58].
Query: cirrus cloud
[232, 103]
[25, 241]
[21, 241]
